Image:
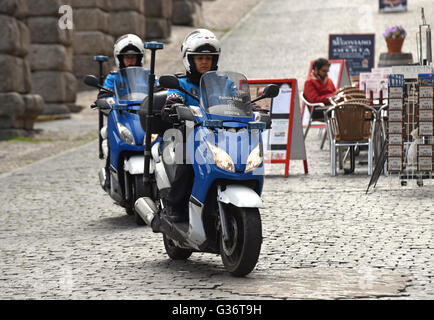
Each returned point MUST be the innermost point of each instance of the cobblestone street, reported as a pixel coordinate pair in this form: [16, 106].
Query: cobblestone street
[62, 237]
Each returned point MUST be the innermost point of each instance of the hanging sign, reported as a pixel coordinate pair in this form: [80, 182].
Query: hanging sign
[358, 50]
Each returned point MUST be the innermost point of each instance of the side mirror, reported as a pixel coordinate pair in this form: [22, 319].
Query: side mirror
[270, 91]
[91, 81]
[169, 81]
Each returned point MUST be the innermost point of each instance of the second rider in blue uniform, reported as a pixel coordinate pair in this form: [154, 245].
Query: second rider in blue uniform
[128, 52]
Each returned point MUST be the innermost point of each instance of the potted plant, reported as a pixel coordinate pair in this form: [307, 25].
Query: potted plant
[394, 38]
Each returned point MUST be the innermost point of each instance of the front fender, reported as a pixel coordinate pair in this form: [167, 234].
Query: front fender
[240, 196]
[135, 165]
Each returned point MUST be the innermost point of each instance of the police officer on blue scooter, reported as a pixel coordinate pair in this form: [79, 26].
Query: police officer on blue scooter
[128, 52]
[200, 54]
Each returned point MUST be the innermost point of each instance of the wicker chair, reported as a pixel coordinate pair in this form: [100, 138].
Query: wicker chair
[351, 124]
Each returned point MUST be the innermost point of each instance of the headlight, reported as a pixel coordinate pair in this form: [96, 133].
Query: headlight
[153, 138]
[125, 134]
[255, 159]
[221, 158]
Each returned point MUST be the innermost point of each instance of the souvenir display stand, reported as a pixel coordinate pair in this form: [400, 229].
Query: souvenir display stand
[410, 128]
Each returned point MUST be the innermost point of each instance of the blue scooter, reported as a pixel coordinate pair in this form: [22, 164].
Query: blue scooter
[224, 145]
[123, 139]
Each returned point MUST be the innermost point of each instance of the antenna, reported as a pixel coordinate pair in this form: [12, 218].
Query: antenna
[423, 16]
[425, 58]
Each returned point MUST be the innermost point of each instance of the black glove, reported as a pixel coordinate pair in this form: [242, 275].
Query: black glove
[257, 107]
[170, 114]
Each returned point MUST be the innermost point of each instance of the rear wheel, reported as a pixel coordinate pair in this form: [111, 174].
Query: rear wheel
[175, 252]
[240, 252]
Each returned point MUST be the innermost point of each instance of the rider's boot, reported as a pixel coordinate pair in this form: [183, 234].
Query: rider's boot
[172, 213]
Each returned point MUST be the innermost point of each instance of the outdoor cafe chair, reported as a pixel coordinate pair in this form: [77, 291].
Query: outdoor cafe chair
[347, 128]
[312, 107]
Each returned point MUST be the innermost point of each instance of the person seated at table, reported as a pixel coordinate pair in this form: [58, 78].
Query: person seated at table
[318, 86]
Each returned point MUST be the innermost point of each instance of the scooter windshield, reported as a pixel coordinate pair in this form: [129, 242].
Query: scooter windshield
[225, 93]
[132, 84]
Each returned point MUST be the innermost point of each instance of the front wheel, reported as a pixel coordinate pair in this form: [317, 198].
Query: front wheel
[175, 252]
[137, 191]
[241, 252]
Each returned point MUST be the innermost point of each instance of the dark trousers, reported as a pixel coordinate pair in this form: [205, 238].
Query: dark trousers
[180, 190]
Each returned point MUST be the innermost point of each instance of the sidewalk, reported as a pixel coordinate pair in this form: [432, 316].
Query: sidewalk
[52, 137]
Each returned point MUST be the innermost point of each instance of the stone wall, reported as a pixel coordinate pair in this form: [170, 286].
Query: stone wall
[18, 108]
[42, 61]
[51, 57]
[158, 16]
[91, 37]
[187, 12]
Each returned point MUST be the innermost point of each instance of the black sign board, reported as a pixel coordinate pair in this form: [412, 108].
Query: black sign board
[393, 5]
[357, 49]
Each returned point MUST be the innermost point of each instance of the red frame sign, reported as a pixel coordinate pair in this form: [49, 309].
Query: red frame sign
[293, 85]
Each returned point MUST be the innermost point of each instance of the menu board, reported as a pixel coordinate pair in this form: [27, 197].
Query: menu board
[358, 50]
[284, 141]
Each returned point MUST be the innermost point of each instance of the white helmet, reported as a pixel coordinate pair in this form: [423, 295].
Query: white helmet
[200, 41]
[129, 44]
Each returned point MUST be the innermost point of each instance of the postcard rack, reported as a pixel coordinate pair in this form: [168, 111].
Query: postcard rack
[409, 128]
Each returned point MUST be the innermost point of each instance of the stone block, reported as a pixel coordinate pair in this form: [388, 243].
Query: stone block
[45, 30]
[75, 108]
[187, 12]
[91, 19]
[101, 4]
[55, 109]
[157, 28]
[34, 106]
[15, 75]
[47, 8]
[130, 5]
[158, 9]
[92, 43]
[15, 36]
[55, 86]
[85, 65]
[11, 103]
[124, 22]
[12, 107]
[15, 8]
[50, 57]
